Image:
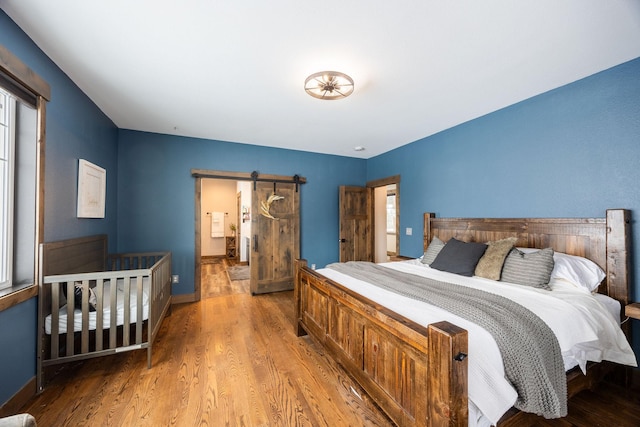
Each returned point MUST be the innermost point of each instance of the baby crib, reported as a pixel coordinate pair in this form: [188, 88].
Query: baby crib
[94, 304]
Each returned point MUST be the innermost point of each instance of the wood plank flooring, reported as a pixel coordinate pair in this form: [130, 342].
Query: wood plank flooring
[215, 281]
[233, 359]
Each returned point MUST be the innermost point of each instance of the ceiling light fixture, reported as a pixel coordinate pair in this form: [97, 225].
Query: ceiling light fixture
[329, 85]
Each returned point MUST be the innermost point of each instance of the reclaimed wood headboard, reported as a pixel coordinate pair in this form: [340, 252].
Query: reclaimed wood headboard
[606, 241]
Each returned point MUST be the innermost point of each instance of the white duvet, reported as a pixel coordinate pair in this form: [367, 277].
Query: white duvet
[106, 312]
[586, 325]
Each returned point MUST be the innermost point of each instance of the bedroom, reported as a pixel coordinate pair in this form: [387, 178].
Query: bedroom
[572, 151]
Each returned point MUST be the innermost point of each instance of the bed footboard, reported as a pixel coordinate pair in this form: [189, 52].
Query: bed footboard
[416, 374]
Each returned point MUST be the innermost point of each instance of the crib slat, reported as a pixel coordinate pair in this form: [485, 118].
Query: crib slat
[99, 313]
[139, 301]
[84, 339]
[113, 309]
[55, 320]
[126, 330]
[70, 317]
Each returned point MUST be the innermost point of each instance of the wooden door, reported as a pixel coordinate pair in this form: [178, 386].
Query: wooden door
[356, 238]
[275, 241]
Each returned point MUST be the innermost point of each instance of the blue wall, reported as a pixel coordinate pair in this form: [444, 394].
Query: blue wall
[573, 151]
[76, 128]
[570, 152]
[156, 193]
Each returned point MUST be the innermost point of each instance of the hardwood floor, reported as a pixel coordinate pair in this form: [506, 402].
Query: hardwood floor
[233, 360]
[215, 281]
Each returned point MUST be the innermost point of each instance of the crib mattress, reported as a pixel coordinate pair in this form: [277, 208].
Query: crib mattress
[106, 312]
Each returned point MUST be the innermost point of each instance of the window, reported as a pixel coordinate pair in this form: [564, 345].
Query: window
[24, 98]
[17, 190]
[7, 156]
[391, 213]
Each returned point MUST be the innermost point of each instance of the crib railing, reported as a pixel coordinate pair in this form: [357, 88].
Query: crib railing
[133, 261]
[125, 273]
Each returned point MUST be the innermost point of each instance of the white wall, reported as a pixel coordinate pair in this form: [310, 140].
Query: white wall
[245, 188]
[218, 195]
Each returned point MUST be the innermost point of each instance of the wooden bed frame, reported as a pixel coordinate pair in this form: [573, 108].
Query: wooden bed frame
[86, 260]
[418, 374]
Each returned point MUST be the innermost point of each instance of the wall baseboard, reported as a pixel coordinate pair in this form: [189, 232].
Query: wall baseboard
[183, 298]
[18, 400]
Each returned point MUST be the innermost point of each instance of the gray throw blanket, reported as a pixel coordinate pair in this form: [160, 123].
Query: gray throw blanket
[530, 350]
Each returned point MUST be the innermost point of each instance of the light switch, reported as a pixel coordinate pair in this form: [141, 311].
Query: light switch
[409, 231]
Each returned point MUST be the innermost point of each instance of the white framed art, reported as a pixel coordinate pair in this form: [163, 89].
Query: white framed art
[92, 185]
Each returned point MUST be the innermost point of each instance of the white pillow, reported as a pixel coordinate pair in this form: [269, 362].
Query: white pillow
[579, 271]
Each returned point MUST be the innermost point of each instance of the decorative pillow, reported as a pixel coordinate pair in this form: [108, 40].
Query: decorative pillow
[77, 297]
[529, 269]
[432, 251]
[490, 265]
[581, 272]
[459, 257]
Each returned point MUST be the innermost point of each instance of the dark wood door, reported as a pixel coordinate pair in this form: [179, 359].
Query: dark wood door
[356, 239]
[276, 239]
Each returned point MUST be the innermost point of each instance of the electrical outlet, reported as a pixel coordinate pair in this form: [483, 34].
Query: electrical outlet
[409, 231]
[175, 279]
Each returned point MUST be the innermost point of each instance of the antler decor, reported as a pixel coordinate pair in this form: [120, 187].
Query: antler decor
[266, 205]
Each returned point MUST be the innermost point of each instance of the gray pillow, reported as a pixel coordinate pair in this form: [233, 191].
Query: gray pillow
[490, 265]
[459, 257]
[529, 269]
[432, 251]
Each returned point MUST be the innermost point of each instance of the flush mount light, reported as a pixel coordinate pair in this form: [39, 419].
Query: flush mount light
[358, 148]
[329, 85]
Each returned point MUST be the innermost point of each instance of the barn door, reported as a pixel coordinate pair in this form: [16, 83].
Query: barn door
[356, 239]
[275, 239]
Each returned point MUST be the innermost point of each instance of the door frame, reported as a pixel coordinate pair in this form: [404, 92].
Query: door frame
[200, 174]
[383, 182]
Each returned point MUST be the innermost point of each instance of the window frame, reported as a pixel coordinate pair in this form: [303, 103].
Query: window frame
[7, 185]
[29, 87]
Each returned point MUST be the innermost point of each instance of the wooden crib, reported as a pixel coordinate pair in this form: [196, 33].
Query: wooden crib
[94, 304]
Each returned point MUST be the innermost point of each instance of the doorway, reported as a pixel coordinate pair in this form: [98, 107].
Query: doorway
[224, 266]
[370, 221]
[220, 227]
[385, 223]
[246, 183]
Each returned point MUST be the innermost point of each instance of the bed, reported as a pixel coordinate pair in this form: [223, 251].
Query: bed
[417, 371]
[94, 304]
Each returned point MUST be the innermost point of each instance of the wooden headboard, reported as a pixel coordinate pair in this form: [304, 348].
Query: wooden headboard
[80, 255]
[605, 241]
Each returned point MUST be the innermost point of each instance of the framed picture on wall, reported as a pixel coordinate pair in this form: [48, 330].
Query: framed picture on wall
[92, 185]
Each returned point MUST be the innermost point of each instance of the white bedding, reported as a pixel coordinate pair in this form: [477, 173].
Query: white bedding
[586, 330]
[120, 296]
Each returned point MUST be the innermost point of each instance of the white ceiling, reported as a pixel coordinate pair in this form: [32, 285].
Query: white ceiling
[234, 70]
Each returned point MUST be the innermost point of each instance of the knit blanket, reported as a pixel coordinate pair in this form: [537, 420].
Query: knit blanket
[531, 354]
